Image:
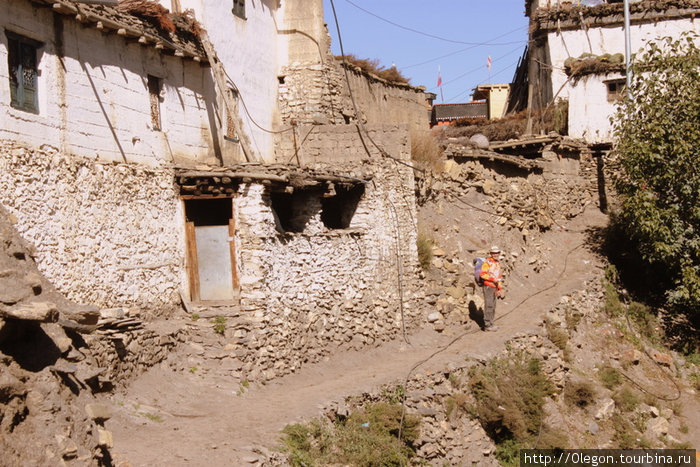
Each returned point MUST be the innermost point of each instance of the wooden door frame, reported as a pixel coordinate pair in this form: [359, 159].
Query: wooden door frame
[192, 262]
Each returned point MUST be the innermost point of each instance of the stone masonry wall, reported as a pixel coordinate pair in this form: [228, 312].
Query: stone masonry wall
[305, 293]
[318, 93]
[104, 233]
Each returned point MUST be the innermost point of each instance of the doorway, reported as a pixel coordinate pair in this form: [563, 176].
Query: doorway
[211, 255]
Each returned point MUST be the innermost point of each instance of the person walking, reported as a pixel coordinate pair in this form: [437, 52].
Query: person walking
[491, 280]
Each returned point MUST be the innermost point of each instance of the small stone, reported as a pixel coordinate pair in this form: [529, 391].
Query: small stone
[657, 426]
[593, 428]
[432, 317]
[662, 359]
[105, 438]
[606, 409]
[98, 412]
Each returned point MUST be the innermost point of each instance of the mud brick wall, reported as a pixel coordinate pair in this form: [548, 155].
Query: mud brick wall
[104, 233]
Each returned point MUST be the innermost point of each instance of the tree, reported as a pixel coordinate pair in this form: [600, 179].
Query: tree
[657, 129]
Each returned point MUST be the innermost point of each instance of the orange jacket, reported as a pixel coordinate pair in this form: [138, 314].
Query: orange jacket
[491, 273]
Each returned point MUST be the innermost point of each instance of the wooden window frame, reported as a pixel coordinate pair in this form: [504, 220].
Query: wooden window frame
[614, 95]
[155, 97]
[23, 51]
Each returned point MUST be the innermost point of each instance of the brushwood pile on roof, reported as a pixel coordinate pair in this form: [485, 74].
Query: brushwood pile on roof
[145, 20]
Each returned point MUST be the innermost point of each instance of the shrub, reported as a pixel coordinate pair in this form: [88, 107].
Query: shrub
[626, 399]
[580, 393]
[657, 140]
[425, 244]
[425, 151]
[510, 393]
[368, 437]
[609, 377]
[219, 324]
[558, 336]
[456, 403]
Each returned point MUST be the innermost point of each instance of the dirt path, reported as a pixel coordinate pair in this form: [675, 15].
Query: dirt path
[169, 418]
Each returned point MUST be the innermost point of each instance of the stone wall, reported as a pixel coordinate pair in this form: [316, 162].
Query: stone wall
[315, 92]
[302, 293]
[104, 233]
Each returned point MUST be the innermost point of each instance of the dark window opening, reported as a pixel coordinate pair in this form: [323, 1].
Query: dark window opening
[209, 211]
[294, 210]
[22, 63]
[337, 211]
[239, 8]
[280, 79]
[615, 89]
[155, 90]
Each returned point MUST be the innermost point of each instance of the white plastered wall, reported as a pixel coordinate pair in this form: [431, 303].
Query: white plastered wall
[94, 102]
[589, 111]
[248, 49]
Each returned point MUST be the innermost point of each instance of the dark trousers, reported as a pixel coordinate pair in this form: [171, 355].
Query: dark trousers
[489, 304]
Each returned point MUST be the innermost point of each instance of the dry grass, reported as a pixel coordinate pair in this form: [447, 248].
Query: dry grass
[579, 393]
[149, 10]
[426, 152]
[425, 243]
[372, 66]
[552, 118]
[588, 64]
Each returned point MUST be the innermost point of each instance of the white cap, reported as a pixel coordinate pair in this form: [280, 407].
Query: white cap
[494, 249]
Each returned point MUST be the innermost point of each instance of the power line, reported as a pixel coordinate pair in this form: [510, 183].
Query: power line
[474, 70]
[470, 48]
[495, 74]
[406, 28]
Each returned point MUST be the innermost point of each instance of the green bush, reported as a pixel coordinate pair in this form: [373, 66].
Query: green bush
[510, 393]
[656, 128]
[609, 377]
[368, 437]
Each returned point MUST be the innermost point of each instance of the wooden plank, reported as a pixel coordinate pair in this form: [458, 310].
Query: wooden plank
[192, 263]
[230, 103]
[219, 196]
[232, 244]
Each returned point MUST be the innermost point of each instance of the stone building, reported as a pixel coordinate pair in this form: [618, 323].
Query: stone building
[123, 164]
[576, 53]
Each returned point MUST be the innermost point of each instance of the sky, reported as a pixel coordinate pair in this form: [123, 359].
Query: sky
[425, 37]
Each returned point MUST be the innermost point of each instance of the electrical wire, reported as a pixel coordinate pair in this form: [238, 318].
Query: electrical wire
[479, 68]
[406, 28]
[466, 49]
[245, 107]
[474, 70]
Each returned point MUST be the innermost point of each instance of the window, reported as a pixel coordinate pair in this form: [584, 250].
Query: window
[155, 90]
[22, 64]
[239, 8]
[615, 89]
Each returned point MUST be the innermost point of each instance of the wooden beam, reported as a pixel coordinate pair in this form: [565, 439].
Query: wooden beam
[192, 263]
[238, 175]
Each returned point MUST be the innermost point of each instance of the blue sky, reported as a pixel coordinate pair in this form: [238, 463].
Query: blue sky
[466, 33]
